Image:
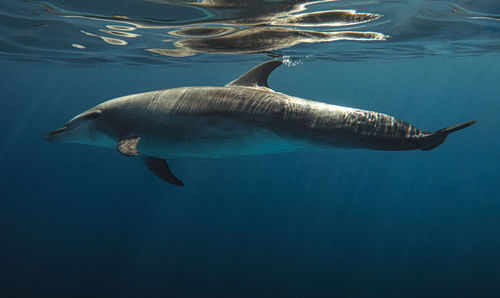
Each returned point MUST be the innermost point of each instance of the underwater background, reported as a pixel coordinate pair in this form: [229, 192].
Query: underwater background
[80, 221]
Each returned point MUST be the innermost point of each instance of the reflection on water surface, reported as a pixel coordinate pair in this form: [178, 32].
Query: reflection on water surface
[151, 31]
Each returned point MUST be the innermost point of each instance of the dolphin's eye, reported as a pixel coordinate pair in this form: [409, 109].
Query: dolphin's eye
[93, 115]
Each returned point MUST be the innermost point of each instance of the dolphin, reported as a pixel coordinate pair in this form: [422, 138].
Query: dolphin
[245, 117]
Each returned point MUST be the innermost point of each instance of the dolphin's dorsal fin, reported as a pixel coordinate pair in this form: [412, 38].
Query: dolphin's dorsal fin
[128, 146]
[257, 76]
[160, 168]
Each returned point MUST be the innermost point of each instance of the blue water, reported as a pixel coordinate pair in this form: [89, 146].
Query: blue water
[81, 221]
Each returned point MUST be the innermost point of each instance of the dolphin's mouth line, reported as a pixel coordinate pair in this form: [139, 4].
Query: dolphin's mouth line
[55, 132]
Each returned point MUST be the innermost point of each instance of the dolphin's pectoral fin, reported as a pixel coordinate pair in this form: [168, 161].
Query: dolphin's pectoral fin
[128, 146]
[257, 76]
[160, 168]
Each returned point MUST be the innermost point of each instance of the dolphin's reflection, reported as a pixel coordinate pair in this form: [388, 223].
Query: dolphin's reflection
[265, 32]
[260, 39]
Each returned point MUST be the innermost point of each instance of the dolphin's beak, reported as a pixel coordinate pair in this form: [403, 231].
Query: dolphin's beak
[53, 135]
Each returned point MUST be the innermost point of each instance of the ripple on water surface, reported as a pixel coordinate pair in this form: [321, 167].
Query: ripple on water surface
[158, 31]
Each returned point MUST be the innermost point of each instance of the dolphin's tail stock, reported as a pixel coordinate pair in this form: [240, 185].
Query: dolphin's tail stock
[437, 138]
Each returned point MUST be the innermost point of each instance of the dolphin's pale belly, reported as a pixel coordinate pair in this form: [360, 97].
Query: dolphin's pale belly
[216, 138]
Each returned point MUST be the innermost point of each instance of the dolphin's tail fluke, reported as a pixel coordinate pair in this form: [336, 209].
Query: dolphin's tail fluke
[439, 136]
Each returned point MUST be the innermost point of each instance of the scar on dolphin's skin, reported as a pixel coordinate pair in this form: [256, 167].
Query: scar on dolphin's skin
[244, 117]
